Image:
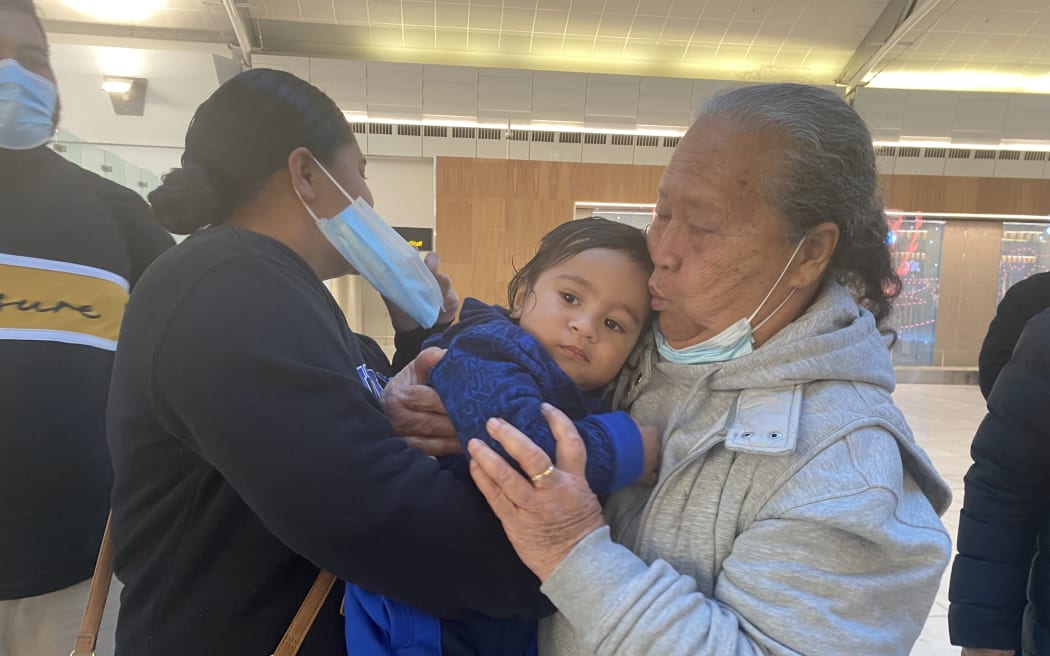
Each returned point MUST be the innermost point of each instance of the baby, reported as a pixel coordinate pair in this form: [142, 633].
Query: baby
[577, 309]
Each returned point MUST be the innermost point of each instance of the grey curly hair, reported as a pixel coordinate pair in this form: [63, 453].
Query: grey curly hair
[825, 172]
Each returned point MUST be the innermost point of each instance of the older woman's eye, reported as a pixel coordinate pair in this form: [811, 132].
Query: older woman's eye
[568, 298]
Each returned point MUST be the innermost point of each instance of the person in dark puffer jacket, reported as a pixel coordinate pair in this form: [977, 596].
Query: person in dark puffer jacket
[1020, 303]
[1000, 595]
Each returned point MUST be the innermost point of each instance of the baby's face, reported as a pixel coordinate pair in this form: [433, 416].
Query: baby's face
[588, 312]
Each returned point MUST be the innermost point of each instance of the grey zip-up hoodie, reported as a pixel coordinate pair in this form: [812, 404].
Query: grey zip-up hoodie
[795, 513]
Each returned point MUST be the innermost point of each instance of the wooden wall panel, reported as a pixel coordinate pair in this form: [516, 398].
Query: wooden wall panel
[492, 213]
[961, 194]
[968, 284]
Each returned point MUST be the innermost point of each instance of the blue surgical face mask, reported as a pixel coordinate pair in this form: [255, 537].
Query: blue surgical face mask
[27, 107]
[382, 256]
[735, 341]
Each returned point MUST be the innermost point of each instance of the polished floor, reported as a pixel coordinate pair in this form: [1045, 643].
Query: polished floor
[944, 419]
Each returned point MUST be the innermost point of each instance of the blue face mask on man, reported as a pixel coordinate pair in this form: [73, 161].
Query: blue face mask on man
[27, 107]
[382, 256]
[735, 341]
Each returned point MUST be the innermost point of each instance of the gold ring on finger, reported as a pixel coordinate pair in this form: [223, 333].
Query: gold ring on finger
[543, 474]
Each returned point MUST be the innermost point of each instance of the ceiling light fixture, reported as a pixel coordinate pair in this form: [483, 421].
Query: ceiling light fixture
[935, 143]
[117, 84]
[119, 11]
[961, 81]
[127, 94]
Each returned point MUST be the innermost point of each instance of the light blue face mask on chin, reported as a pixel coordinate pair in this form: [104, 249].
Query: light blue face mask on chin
[382, 256]
[735, 341]
[27, 107]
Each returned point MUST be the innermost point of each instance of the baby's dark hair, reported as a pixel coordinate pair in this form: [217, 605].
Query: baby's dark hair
[571, 239]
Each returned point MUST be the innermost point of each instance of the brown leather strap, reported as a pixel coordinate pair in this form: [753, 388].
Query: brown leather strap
[290, 642]
[85, 645]
[293, 637]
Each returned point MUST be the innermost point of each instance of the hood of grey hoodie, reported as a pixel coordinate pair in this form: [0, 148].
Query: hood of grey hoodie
[835, 339]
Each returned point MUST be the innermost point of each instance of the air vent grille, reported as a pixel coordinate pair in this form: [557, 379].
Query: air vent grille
[651, 141]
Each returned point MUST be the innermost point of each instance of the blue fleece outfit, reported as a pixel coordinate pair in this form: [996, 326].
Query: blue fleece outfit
[493, 368]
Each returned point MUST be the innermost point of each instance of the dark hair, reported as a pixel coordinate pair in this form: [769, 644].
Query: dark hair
[825, 173]
[25, 7]
[571, 239]
[238, 138]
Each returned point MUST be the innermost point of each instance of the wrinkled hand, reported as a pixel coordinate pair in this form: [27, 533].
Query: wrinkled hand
[546, 519]
[970, 651]
[449, 299]
[416, 411]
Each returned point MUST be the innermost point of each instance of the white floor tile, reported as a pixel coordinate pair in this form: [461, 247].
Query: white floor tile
[944, 419]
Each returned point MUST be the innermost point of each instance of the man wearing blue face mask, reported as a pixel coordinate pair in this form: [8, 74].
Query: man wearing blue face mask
[71, 246]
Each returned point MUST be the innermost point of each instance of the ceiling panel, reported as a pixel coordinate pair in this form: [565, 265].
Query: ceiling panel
[723, 39]
[974, 39]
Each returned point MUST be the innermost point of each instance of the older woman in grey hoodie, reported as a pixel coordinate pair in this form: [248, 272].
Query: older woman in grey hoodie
[795, 513]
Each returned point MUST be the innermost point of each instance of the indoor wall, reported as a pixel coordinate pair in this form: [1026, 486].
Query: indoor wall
[492, 213]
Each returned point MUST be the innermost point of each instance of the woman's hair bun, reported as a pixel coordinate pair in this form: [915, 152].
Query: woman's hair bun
[186, 200]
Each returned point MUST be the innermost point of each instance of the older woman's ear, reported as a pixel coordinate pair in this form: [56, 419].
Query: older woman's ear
[815, 254]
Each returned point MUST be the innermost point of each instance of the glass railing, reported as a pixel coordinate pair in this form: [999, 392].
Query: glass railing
[105, 163]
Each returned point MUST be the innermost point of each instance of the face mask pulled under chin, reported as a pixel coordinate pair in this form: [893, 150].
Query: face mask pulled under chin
[382, 256]
[27, 107]
[735, 341]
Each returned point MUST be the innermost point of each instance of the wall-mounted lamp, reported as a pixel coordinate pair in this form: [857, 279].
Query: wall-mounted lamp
[127, 94]
[117, 84]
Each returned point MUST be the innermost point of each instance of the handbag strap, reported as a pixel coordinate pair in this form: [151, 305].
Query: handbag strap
[96, 603]
[304, 617]
[88, 636]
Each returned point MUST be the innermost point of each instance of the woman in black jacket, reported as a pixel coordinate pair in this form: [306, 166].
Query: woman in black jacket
[1000, 596]
[246, 420]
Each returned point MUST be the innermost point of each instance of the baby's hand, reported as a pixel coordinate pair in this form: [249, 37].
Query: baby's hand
[651, 449]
